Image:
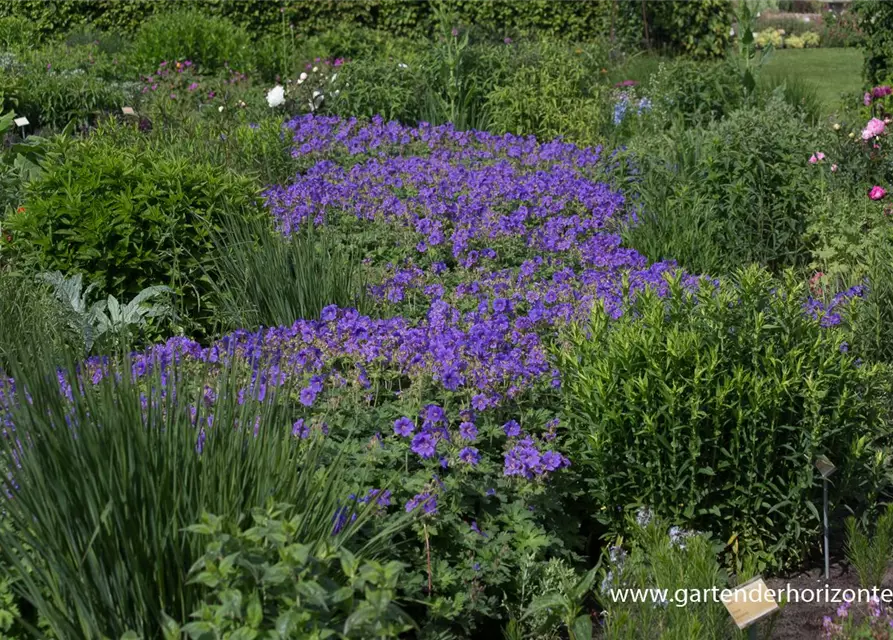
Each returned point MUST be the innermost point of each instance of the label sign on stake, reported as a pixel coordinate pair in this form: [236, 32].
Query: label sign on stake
[750, 602]
[21, 122]
[825, 466]
[128, 111]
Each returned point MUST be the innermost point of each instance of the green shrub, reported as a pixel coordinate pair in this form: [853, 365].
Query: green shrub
[875, 21]
[393, 89]
[107, 42]
[841, 30]
[129, 218]
[753, 167]
[550, 90]
[16, 33]
[283, 585]
[96, 522]
[716, 403]
[211, 42]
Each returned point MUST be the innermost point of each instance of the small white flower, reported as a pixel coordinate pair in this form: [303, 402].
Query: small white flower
[315, 69]
[403, 66]
[302, 77]
[220, 108]
[276, 96]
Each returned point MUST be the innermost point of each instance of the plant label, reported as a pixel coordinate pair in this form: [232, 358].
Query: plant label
[825, 466]
[750, 602]
[21, 122]
[128, 111]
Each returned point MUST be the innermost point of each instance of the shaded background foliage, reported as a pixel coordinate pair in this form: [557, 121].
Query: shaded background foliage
[698, 28]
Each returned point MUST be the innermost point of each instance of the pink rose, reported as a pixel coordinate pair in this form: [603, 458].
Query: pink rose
[877, 193]
[874, 128]
[818, 156]
[813, 159]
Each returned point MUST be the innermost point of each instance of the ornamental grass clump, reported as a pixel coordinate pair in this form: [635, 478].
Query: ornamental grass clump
[103, 473]
[710, 406]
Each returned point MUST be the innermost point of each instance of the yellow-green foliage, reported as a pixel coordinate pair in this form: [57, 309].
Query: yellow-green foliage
[768, 37]
[810, 39]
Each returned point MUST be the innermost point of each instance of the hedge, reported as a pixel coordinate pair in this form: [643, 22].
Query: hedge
[698, 28]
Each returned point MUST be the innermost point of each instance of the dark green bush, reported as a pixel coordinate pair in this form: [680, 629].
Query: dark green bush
[211, 42]
[875, 21]
[744, 182]
[696, 28]
[130, 217]
[700, 29]
[710, 408]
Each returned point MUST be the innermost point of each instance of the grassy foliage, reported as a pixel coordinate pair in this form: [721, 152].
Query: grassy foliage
[106, 480]
[265, 279]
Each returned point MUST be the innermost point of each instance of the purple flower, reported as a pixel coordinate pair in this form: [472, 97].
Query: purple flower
[512, 429]
[467, 431]
[299, 429]
[404, 427]
[433, 413]
[308, 396]
[424, 445]
[470, 455]
[427, 501]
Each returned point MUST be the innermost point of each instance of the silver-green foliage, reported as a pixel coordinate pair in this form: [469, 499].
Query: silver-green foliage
[104, 318]
[711, 406]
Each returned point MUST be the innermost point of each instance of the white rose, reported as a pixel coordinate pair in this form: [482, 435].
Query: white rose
[302, 77]
[276, 96]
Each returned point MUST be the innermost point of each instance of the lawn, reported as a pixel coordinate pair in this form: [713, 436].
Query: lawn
[831, 71]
